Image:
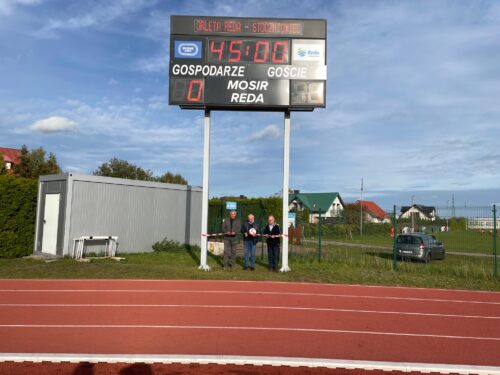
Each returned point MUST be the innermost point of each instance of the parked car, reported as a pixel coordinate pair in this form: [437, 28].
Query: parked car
[419, 246]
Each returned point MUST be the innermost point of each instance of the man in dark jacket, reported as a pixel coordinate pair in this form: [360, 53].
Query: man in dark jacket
[272, 232]
[250, 229]
[231, 228]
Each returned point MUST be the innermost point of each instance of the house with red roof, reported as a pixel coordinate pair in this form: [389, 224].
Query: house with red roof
[10, 158]
[373, 213]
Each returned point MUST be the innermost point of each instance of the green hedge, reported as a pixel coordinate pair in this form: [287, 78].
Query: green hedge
[17, 216]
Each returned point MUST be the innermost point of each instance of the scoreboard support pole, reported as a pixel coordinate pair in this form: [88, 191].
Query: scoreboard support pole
[286, 183]
[204, 205]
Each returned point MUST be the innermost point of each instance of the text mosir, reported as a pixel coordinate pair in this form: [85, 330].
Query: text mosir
[247, 85]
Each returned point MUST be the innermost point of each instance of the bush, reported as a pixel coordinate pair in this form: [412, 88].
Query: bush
[171, 245]
[18, 198]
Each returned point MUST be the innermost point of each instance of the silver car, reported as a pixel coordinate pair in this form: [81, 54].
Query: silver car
[419, 246]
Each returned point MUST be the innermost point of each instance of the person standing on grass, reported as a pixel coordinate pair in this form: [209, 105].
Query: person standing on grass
[272, 232]
[230, 228]
[250, 230]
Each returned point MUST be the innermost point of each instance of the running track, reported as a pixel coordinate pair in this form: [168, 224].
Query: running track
[250, 319]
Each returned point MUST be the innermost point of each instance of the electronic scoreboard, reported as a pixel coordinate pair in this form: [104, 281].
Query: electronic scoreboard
[247, 63]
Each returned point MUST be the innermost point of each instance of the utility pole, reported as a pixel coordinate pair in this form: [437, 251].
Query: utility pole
[412, 215]
[361, 210]
[453, 205]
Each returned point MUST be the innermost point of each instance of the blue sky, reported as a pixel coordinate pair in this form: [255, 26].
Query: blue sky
[413, 97]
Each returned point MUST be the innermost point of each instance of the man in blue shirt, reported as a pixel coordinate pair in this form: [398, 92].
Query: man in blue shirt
[250, 230]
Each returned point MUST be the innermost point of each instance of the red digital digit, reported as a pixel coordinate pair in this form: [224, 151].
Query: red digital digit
[190, 96]
[274, 59]
[219, 50]
[236, 51]
[265, 51]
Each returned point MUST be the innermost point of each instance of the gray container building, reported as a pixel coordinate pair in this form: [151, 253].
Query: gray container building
[140, 213]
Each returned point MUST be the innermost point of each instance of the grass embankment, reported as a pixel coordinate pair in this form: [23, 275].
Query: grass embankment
[339, 265]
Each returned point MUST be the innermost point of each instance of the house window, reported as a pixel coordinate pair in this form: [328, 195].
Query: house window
[8, 165]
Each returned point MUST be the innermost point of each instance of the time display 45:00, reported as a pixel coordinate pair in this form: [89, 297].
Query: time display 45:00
[267, 51]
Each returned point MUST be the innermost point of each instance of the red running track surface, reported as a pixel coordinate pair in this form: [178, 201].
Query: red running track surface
[269, 319]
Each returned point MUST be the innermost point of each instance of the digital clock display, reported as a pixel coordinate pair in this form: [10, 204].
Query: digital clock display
[247, 63]
[260, 51]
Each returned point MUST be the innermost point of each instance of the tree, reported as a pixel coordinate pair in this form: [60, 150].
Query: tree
[304, 217]
[35, 163]
[352, 213]
[171, 178]
[3, 168]
[123, 169]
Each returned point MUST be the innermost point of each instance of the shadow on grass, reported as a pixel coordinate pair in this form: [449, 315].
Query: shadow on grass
[192, 252]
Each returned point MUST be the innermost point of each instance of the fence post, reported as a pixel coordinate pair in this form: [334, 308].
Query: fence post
[394, 225]
[319, 236]
[495, 263]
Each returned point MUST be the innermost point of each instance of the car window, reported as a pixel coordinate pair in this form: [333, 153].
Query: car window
[402, 239]
[415, 240]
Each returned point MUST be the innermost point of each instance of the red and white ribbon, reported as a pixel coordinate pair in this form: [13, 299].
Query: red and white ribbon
[257, 235]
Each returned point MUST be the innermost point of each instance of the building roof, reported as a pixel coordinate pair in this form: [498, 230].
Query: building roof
[10, 155]
[373, 209]
[322, 200]
[426, 210]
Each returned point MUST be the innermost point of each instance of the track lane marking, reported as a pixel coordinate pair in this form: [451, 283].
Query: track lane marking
[269, 282]
[242, 292]
[293, 308]
[238, 328]
[251, 360]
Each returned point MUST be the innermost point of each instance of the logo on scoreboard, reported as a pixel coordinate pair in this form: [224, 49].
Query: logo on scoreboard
[187, 49]
[309, 52]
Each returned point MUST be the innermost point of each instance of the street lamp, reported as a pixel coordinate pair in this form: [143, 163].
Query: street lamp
[316, 206]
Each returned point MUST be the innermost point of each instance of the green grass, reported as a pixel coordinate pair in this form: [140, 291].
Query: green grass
[338, 265]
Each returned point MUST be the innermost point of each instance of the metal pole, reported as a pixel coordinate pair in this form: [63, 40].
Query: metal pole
[394, 225]
[319, 236]
[495, 263]
[361, 210]
[204, 204]
[286, 181]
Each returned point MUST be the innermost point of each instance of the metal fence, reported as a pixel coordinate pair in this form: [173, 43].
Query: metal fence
[469, 236]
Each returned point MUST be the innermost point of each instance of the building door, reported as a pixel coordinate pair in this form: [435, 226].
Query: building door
[50, 223]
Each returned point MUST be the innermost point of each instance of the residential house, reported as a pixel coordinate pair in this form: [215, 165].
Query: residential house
[330, 204]
[10, 158]
[372, 212]
[418, 211]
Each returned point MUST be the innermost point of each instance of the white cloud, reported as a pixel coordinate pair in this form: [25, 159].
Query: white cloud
[270, 131]
[7, 6]
[97, 15]
[157, 64]
[54, 124]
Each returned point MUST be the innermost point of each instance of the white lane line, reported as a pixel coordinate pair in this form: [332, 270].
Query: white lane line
[247, 307]
[237, 328]
[251, 360]
[243, 292]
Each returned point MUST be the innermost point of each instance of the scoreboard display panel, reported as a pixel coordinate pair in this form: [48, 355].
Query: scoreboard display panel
[247, 63]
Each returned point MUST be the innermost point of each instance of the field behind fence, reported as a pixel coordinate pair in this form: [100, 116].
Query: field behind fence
[468, 236]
